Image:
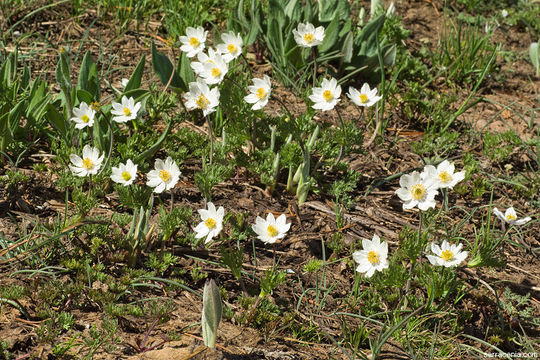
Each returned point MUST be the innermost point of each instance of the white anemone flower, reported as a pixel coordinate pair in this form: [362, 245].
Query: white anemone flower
[446, 175]
[306, 35]
[271, 229]
[447, 255]
[124, 174]
[194, 41]
[201, 97]
[231, 47]
[373, 256]
[213, 72]
[365, 97]
[419, 189]
[164, 176]
[198, 66]
[510, 216]
[260, 92]
[89, 164]
[126, 110]
[84, 116]
[326, 96]
[212, 222]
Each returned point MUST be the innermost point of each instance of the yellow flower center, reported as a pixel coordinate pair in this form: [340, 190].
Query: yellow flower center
[127, 111]
[373, 257]
[164, 175]
[194, 42]
[272, 231]
[87, 163]
[447, 255]
[210, 223]
[215, 72]
[327, 95]
[202, 102]
[363, 98]
[511, 217]
[445, 177]
[260, 93]
[418, 191]
[85, 118]
[126, 175]
[308, 38]
[232, 48]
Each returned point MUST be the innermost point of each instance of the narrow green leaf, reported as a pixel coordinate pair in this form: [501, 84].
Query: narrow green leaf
[330, 36]
[164, 69]
[136, 78]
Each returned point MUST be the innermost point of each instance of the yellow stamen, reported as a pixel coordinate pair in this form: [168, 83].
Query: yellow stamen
[308, 38]
[126, 175]
[202, 102]
[127, 111]
[85, 118]
[87, 163]
[210, 223]
[373, 257]
[232, 48]
[272, 231]
[260, 93]
[164, 175]
[445, 177]
[511, 217]
[216, 72]
[194, 42]
[94, 106]
[327, 95]
[447, 255]
[418, 191]
[363, 98]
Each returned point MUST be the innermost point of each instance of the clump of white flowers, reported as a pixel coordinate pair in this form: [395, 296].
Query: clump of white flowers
[372, 257]
[212, 222]
[326, 96]
[271, 229]
[164, 176]
[447, 255]
[260, 92]
[306, 35]
[89, 164]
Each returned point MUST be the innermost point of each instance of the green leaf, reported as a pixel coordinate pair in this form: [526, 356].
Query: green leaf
[83, 95]
[135, 79]
[57, 120]
[164, 70]
[211, 313]
[154, 148]
[348, 48]
[534, 54]
[186, 73]
[330, 36]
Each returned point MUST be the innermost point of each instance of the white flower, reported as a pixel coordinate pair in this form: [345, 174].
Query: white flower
[447, 255]
[125, 173]
[365, 97]
[231, 47]
[164, 176]
[504, 13]
[124, 82]
[212, 222]
[373, 256]
[214, 71]
[326, 96]
[84, 116]
[510, 216]
[193, 42]
[419, 189]
[446, 175]
[260, 92]
[125, 111]
[198, 66]
[307, 36]
[271, 229]
[89, 164]
[201, 97]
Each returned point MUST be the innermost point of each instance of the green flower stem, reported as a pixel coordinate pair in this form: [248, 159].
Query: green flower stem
[211, 135]
[111, 142]
[314, 55]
